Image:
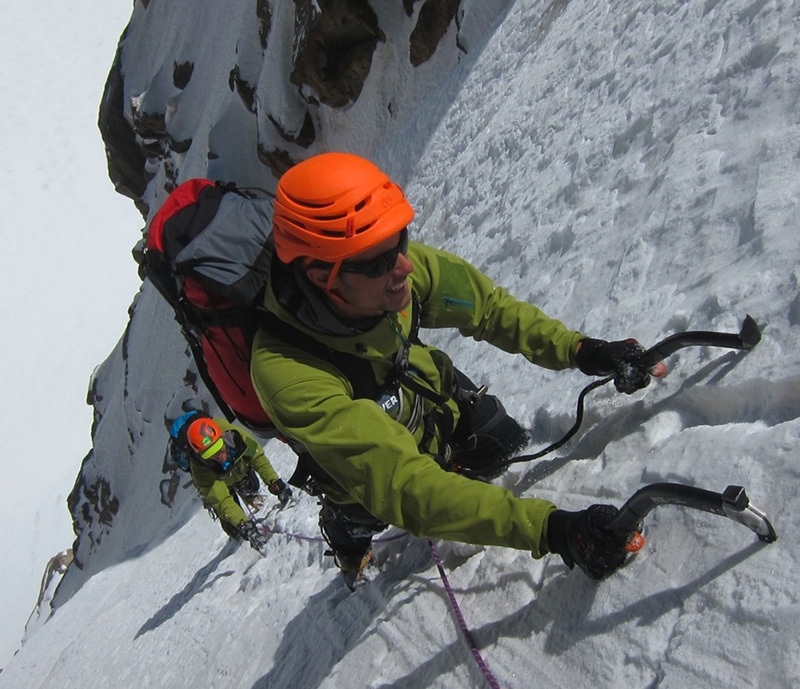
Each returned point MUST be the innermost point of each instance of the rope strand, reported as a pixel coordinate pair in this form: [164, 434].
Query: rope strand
[472, 646]
[468, 638]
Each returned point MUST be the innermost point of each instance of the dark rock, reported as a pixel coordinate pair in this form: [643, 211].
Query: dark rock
[432, 22]
[264, 17]
[278, 161]
[304, 138]
[337, 44]
[125, 159]
[182, 74]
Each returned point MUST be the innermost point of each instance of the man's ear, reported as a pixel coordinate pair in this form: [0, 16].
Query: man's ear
[318, 275]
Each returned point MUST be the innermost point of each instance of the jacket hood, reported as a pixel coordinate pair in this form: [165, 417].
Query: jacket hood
[309, 305]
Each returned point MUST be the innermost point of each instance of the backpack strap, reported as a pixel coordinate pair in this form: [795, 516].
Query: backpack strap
[361, 376]
[441, 414]
[355, 369]
[358, 371]
[416, 318]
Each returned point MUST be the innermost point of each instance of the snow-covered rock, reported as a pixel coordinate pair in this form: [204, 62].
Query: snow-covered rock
[632, 170]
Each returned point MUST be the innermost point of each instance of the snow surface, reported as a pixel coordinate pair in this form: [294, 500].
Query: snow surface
[634, 173]
[67, 271]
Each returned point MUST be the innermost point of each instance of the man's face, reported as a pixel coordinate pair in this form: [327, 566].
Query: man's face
[359, 296]
[222, 456]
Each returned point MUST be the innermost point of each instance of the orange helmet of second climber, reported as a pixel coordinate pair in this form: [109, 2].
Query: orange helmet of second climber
[205, 437]
[334, 206]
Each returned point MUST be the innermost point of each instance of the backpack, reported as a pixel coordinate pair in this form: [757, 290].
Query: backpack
[208, 251]
[179, 450]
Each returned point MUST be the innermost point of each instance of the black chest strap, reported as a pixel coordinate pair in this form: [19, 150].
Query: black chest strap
[357, 370]
[362, 378]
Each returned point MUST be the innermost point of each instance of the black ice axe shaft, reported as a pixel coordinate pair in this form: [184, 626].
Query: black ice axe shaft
[749, 336]
[732, 503]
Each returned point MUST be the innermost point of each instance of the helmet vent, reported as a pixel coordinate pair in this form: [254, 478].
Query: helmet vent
[335, 205]
[305, 202]
[364, 228]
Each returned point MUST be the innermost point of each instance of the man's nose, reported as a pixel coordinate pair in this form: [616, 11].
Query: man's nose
[403, 265]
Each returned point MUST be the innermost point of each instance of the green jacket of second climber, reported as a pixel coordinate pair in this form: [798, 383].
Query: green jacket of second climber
[374, 458]
[214, 485]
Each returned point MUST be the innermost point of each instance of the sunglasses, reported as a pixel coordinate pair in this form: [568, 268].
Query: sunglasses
[380, 265]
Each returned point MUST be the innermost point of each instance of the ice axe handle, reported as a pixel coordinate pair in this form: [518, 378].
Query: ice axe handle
[732, 503]
[747, 338]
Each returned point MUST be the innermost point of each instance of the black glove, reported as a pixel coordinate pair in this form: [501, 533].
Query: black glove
[584, 539]
[601, 358]
[281, 490]
[251, 533]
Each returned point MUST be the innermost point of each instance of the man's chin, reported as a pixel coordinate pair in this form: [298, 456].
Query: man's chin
[400, 299]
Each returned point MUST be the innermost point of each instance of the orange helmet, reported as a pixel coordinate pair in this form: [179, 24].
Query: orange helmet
[205, 437]
[334, 206]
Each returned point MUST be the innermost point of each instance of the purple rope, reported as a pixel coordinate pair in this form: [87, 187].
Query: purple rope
[462, 624]
[468, 638]
[319, 539]
[298, 536]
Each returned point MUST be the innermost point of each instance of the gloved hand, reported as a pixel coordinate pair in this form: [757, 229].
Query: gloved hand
[601, 358]
[281, 490]
[251, 533]
[584, 539]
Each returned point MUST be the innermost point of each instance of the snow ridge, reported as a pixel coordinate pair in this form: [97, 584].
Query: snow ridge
[631, 172]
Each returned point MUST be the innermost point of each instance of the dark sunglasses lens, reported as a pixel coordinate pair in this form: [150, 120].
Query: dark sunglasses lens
[402, 247]
[380, 265]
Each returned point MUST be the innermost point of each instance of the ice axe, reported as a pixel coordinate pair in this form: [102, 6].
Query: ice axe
[747, 338]
[732, 503]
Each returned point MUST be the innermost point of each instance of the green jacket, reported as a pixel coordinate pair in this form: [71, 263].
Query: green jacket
[214, 484]
[374, 458]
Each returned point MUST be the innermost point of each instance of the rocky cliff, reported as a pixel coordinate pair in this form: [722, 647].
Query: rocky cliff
[240, 91]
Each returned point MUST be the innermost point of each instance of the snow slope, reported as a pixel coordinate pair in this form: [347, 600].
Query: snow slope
[55, 60]
[632, 172]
